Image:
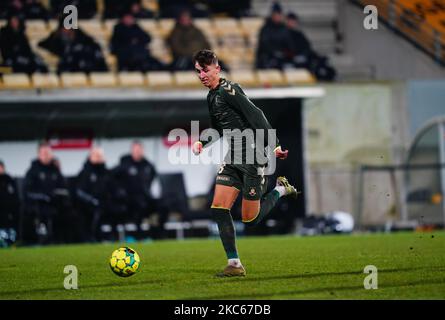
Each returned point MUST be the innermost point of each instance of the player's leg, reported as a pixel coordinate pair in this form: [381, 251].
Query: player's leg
[254, 211]
[226, 191]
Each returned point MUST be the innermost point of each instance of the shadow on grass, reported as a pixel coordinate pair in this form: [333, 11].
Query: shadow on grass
[209, 275]
[331, 290]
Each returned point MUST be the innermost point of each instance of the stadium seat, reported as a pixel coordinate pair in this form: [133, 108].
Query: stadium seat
[43, 80]
[3, 23]
[94, 28]
[227, 26]
[16, 81]
[165, 27]
[36, 27]
[270, 77]
[298, 76]
[246, 78]
[103, 79]
[158, 79]
[206, 26]
[131, 79]
[74, 80]
[109, 26]
[186, 79]
[149, 25]
[251, 26]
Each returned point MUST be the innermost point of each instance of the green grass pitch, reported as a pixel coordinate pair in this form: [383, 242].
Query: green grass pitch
[410, 266]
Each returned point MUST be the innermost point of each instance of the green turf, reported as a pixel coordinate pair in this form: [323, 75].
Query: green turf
[410, 266]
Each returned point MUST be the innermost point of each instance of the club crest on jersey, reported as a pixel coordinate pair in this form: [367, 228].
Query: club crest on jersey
[252, 192]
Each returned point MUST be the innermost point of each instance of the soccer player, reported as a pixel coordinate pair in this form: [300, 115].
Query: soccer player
[231, 109]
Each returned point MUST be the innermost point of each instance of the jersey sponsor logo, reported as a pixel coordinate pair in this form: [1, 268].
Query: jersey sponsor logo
[223, 178]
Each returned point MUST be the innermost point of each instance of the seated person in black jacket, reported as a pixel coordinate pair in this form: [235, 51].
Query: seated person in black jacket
[136, 177]
[93, 193]
[15, 48]
[274, 42]
[130, 45]
[77, 51]
[47, 196]
[9, 208]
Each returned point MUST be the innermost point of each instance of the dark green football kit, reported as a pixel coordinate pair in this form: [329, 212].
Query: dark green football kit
[232, 112]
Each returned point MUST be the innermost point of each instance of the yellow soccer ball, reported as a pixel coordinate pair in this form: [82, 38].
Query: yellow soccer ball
[124, 262]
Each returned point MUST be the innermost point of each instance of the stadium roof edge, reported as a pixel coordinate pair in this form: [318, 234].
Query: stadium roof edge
[73, 95]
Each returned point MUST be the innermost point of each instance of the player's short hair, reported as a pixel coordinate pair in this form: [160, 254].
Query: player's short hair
[205, 58]
[43, 144]
[2, 164]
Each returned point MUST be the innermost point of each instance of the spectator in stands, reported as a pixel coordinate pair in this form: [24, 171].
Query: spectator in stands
[44, 189]
[184, 40]
[232, 8]
[274, 41]
[15, 48]
[86, 9]
[93, 193]
[302, 54]
[139, 12]
[9, 208]
[34, 9]
[77, 51]
[130, 45]
[137, 175]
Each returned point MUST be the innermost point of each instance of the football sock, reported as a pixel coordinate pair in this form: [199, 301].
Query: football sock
[281, 190]
[234, 262]
[223, 219]
[267, 204]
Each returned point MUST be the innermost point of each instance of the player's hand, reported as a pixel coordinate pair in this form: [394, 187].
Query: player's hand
[280, 154]
[197, 147]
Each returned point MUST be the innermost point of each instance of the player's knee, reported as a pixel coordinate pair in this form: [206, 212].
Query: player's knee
[249, 217]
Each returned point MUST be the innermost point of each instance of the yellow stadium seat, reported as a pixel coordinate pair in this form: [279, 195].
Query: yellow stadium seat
[159, 79]
[45, 80]
[205, 25]
[103, 79]
[131, 79]
[94, 28]
[298, 76]
[16, 81]
[270, 77]
[109, 26]
[251, 25]
[74, 80]
[246, 78]
[166, 26]
[186, 79]
[227, 26]
[149, 25]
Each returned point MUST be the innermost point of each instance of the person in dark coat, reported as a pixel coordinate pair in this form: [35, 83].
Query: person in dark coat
[274, 42]
[130, 45]
[184, 40]
[77, 51]
[15, 48]
[9, 208]
[136, 177]
[93, 193]
[46, 193]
